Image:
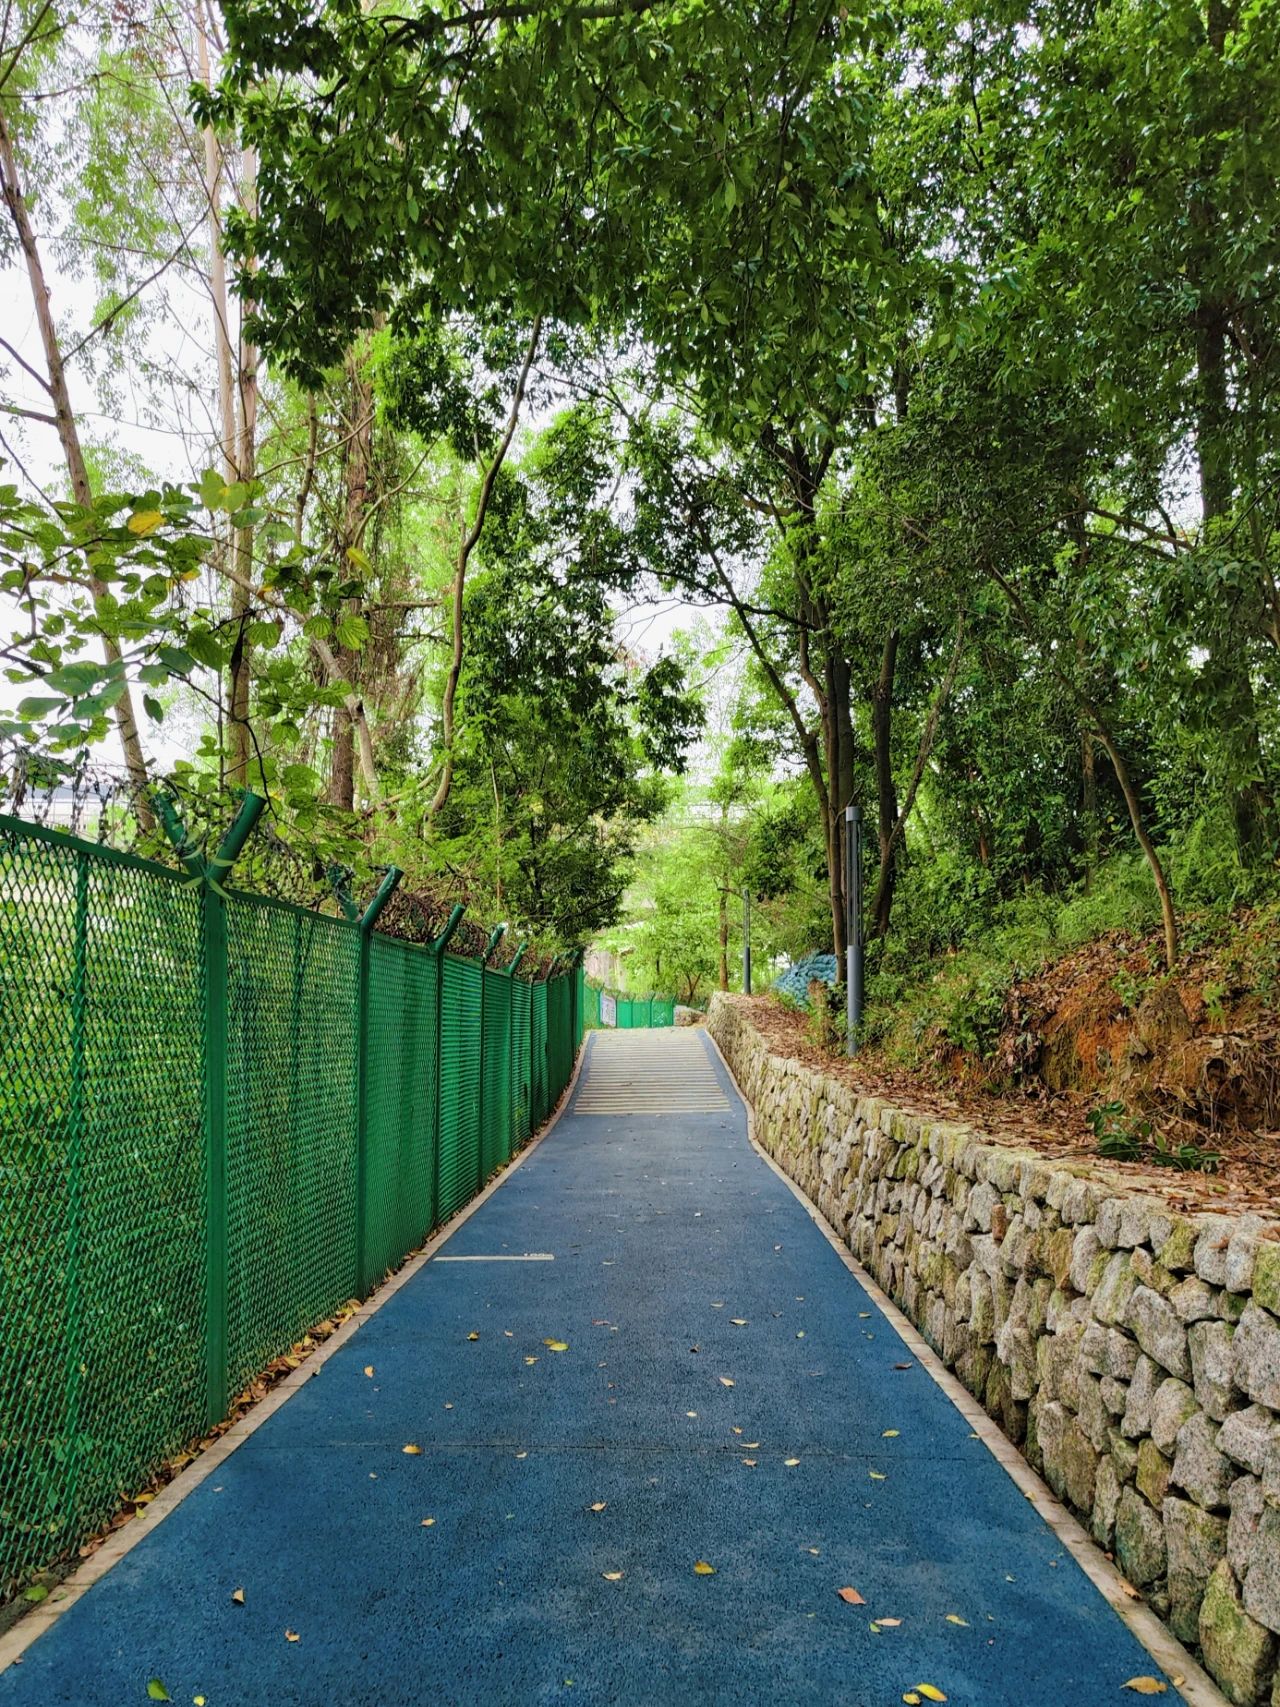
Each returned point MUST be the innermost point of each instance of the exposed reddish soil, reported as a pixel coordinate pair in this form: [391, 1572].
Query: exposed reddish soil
[1029, 1113]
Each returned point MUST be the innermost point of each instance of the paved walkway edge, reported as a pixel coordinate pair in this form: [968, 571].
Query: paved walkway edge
[32, 1625]
[1197, 1687]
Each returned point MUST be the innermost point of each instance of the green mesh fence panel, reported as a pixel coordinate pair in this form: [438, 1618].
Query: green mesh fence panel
[102, 1233]
[664, 1010]
[591, 1006]
[495, 1138]
[459, 1084]
[521, 1009]
[558, 1021]
[291, 1108]
[400, 1099]
[538, 1051]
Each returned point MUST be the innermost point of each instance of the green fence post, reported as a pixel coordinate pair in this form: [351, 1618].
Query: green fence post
[513, 1088]
[75, 1177]
[210, 873]
[438, 949]
[368, 919]
[496, 937]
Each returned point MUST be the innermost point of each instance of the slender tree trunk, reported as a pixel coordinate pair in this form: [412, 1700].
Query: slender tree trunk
[467, 546]
[886, 790]
[73, 453]
[1252, 806]
[246, 460]
[359, 450]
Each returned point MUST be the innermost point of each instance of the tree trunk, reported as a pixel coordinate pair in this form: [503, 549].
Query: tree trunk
[359, 434]
[77, 472]
[886, 791]
[246, 462]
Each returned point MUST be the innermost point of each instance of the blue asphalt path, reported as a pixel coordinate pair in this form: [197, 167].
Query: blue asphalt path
[663, 1230]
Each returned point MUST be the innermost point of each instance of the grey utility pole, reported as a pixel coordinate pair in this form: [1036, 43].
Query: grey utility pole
[853, 926]
[746, 940]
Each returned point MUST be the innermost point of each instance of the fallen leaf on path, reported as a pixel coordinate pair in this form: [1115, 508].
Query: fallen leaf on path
[851, 1597]
[738, 1321]
[612, 1576]
[888, 1623]
[522, 1454]
[800, 1335]
[599, 1505]
[930, 1693]
[292, 1636]
[691, 1413]
[904, 1366]
[953, 1619]
[911, 1698]
[725, 1381]
[702, 1569]
[889, 1434]
[237, 1594]
[198, 1700]
[875, 1476]
[428, 1522]
[737, 1431]
[719, 1306]
[531, 1360]
[750, 1463]
[473, 1336]
[412, 1450]
[556, 1345]
[864, 1315]
[1128, 1588]
[156, 1691]
[814, 1551]
[368, 1369]
[1146, 1686]
[35, 1594]
[790, 1463]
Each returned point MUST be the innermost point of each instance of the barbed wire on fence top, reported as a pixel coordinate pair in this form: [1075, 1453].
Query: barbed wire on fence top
[98, 803]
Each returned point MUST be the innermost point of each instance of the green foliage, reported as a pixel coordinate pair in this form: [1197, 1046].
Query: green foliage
[1121, 1137]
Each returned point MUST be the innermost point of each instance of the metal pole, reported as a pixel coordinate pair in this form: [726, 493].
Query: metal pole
[853, 926]
[746, 941]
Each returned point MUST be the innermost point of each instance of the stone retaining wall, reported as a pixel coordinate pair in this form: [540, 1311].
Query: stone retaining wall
[1133, 1353]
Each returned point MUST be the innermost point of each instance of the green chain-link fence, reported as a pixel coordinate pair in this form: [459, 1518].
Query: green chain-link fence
[629, 1013]
[221, 1117]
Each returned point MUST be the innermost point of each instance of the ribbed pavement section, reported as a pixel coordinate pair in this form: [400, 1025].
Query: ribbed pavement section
[635, 1435]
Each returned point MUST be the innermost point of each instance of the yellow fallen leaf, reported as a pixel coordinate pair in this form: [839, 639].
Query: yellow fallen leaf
[725, 1381]
[1128, 1588]
[292, 1636]
[738, 1321]
[427, 1522]
[930, 1693]
[889, 1623]
[412, 1450]
[889, 1434]
[237, 1594]
[790, 1463]
[875, 1475]
[473, 1336]
[612, 1576]
[911, 1698]
[702, 1569]
[851, 1597]
[531, 1360]
[952, 1619]
[368, 1369]
[198, 1700]
[1146, 1686]
[1177, 1682]
[598, 1506]
[556, 1345]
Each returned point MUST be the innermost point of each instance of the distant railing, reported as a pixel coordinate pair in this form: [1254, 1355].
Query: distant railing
[605, 1009]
